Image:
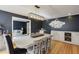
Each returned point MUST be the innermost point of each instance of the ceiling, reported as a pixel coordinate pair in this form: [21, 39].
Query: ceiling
[48, 11]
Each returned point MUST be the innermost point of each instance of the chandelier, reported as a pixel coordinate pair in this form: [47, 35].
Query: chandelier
[56, 24]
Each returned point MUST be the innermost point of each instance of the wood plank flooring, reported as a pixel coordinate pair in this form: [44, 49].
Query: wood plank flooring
[59, 47]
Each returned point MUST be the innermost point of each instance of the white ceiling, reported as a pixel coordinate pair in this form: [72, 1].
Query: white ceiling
[48, 11]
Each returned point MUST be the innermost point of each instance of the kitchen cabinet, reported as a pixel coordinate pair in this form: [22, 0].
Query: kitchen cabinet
[60, 36]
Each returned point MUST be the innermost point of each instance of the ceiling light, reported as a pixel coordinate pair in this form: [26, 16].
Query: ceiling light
[35, 16]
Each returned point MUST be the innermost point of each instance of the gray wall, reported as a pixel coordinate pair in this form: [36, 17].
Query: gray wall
[72, 24]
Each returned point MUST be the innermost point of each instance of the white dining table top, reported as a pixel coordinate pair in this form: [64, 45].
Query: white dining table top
[25, 42]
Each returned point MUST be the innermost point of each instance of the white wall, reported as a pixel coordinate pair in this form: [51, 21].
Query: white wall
[59, 35]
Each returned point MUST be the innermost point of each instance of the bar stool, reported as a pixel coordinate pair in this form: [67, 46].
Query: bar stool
[34, 49]
[43, 47]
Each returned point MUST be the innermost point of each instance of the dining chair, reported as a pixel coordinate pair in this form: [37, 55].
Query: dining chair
[13, 50]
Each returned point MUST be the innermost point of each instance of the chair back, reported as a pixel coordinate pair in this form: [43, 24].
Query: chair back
[9, 44]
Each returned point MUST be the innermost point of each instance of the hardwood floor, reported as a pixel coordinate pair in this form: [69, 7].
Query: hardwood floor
[59, 47]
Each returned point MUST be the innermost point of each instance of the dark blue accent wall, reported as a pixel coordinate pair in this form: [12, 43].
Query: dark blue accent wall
[17, 25]
[71, 24]
[35, 26]
[6, 20]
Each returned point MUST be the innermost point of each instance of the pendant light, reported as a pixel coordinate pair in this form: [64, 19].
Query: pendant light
[34, 14]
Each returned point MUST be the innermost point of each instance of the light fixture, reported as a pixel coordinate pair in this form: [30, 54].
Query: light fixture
[70, 17]
[56, 24]
[34, 14]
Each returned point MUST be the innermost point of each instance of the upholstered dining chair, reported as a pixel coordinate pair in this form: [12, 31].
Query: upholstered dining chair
[13, 50]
